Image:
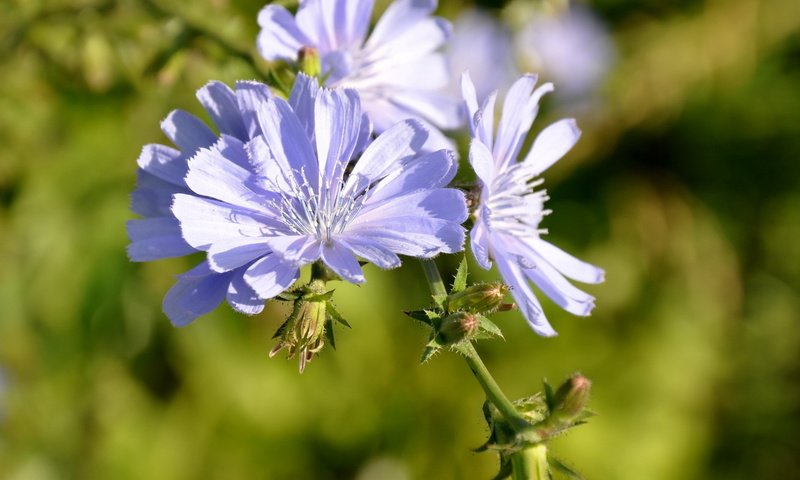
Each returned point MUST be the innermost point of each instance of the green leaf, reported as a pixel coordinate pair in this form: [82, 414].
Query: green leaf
[460, 281]
[282, 328]
[322, 297]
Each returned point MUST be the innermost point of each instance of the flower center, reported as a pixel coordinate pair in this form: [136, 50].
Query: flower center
[321, 214]
[512, 205]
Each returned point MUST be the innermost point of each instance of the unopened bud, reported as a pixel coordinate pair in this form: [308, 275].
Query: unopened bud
[457, 327]
[571, 398]
[303, 334]
[308, 60]
[480, 298]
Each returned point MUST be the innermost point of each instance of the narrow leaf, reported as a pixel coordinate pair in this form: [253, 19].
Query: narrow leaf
[334, 314]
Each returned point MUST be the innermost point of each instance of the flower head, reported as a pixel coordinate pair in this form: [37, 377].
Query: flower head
[507, 219]
[161, 174]
[397, 70]
[293, 193]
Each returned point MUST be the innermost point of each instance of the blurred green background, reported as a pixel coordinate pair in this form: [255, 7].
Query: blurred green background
[685, 187]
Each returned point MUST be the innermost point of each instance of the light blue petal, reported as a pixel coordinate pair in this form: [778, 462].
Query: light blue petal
[287, 141]
[220, 103]
[394, 148]
[552, 144]
[186, 131]
[567, 264]
[231, 254]
[341, 260]
[153, 196]
[429, 171]
[163, 162]
[250, 96]
[196, 293]
[441, 110]
[442, 203]
[371, 251]
[337, 116]
[413, 235]
[304, 94]
[482, 162]
[270, 276]
[279, 38]
[399, 17]
[205, 221]
[479, 243]
[241, 297]
[516, 120]
[295, 249]
[156, 238]
[216, 172]
[335, 25]
[523, 295]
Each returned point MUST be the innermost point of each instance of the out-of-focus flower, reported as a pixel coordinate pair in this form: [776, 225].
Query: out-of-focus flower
[397, 70]
[292, 194]
[161, 174]
[510, 208]
[570, 47]
[482, 45]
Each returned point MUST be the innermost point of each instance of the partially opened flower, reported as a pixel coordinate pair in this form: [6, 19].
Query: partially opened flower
[161, 174]
[294, 193]
[397, 70]
[510, 208]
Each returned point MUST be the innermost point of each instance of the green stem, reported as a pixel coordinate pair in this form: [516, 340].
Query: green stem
[435, 282]
[485, 379]
[531, 464]
[492, 390]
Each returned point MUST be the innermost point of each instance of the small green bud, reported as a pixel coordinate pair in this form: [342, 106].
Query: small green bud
[480, 298]
[457, 327]
[308, 60]
[571, 399]
[303, 333]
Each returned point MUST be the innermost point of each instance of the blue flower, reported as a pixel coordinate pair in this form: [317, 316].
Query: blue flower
[510, 208]
[397, 70]
[291, 192]
[161, 174]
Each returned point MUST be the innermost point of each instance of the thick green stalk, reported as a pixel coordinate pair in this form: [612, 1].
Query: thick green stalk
[530, 464]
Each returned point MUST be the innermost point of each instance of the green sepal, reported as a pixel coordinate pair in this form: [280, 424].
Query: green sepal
[440, 300]
[329, 334]
[431, 349]
[549, 396]
[288, 296]
[335, 315]
[321, 297]
[460, 280]
[564, 469]
[282, 328]
[428, 317]
[488, 329]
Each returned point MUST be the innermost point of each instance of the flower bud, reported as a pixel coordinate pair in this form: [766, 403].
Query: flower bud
[480, 298]
[571, 398]
[303, 333]
[457, 327]
[308, 60]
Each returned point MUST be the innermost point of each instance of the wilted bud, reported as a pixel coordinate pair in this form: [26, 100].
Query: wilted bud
[303, 333]
[308, 60]
[480, 298]
[457, 327]
[571, 398]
